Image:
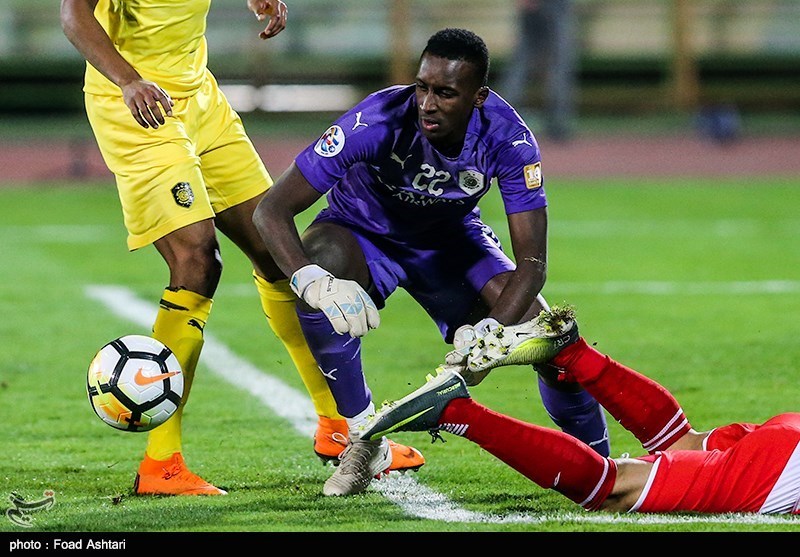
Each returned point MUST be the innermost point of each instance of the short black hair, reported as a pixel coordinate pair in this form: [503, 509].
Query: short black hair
[461, 44]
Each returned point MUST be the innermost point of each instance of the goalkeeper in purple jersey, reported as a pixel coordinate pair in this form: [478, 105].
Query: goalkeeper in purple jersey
[403, 172]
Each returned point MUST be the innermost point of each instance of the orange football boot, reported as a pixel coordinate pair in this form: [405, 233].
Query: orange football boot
[405, 457]
[170, 477]
[331, 438]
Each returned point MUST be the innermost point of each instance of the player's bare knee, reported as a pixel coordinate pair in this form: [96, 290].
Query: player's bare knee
[336, 250]
[690, 441]
[632, 475]
[197, 268]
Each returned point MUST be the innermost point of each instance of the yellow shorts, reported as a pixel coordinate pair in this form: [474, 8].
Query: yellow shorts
[199, 163]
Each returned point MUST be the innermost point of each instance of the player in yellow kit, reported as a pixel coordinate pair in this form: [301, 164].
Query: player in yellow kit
[184, 168]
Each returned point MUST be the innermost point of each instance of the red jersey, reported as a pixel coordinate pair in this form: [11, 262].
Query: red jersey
[745, 468]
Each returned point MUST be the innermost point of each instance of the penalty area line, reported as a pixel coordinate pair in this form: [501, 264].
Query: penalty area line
[406, 492]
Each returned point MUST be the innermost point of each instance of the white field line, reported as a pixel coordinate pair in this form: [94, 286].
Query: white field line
[405, 491]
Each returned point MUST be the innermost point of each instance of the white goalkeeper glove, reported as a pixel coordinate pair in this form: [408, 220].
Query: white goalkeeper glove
[346, 305]
[465, 338]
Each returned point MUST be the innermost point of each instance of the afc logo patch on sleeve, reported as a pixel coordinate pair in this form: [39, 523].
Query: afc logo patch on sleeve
[331, 143]
[533, 175]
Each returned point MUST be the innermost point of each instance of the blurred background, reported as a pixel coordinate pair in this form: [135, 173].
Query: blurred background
[717, 69]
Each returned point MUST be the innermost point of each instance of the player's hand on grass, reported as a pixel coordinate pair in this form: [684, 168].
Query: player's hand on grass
[147, 102]
[346, 305]
[275, 10]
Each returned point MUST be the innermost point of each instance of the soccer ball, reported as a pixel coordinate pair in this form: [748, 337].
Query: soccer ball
[134, 383]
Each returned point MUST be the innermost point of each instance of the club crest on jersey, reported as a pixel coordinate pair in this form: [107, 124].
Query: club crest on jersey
[331, 143]
[471, 181]
[533, 175]
[182, 194]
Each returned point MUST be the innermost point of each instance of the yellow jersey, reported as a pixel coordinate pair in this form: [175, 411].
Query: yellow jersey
[163, 39]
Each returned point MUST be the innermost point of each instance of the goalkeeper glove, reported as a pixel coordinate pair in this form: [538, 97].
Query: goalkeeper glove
[465, 338]
[346, 305]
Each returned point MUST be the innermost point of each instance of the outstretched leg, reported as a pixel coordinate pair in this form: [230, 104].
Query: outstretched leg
[641, 405]
[552, 459]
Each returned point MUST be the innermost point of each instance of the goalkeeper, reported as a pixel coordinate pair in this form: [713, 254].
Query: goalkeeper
[403, 172]
[184, 168]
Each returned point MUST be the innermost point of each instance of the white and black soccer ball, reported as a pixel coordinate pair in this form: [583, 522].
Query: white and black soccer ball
[134, 383]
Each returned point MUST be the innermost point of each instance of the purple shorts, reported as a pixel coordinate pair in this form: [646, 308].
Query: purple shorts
[444, 274]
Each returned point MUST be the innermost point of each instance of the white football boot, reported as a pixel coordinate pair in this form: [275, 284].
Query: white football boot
[359, 463]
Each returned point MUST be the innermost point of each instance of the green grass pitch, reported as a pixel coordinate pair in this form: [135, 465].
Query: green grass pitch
[694, 282]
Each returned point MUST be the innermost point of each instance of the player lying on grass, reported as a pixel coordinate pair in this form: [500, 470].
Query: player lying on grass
[741, 467]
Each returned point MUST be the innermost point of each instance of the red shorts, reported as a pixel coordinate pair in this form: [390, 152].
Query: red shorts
[747, 468]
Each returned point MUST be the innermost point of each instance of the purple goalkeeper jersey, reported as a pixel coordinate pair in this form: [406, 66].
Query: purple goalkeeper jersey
[382, 176]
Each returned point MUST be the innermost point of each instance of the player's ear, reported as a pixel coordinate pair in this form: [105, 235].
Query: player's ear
[480, 97]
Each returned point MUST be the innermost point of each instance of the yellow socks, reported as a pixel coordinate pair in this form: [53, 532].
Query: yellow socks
[278, 303]
[181, 318]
